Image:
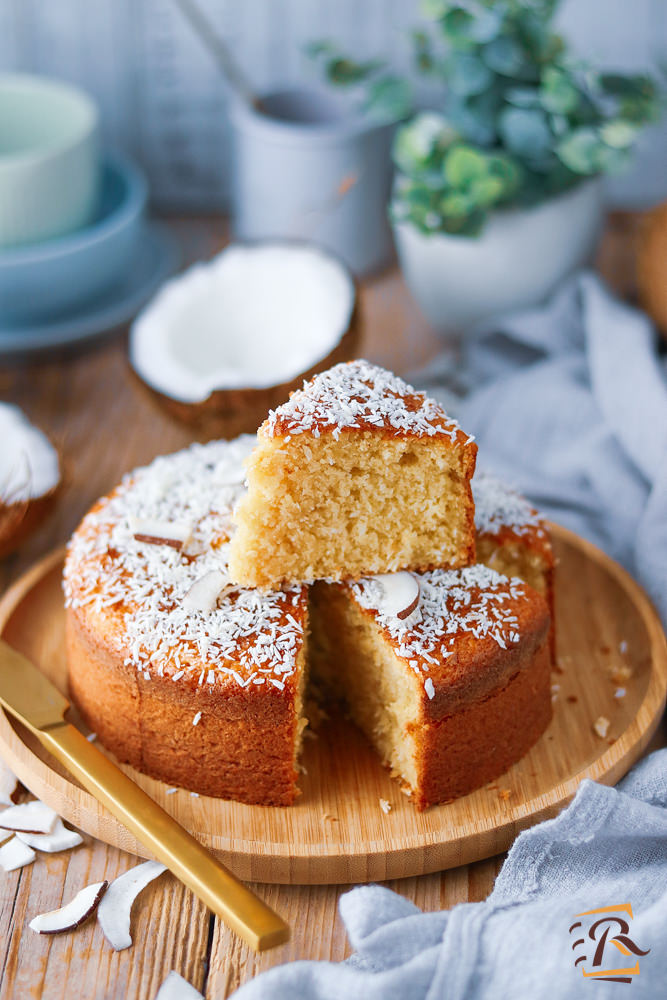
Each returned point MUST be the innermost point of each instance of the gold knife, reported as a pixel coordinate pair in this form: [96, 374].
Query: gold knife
[32, 699]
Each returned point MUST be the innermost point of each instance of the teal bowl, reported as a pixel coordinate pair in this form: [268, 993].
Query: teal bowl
[52, 279]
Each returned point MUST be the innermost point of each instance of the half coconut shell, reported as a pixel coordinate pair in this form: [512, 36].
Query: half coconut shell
[229, 411]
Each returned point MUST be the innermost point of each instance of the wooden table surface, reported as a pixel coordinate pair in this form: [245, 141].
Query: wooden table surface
[104, 425]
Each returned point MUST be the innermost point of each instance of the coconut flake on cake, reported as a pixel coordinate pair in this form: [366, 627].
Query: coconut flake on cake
[498, 506]
[107, 566]
[362, 396]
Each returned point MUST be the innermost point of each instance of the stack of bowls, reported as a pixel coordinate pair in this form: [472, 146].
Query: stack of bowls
[70, 219]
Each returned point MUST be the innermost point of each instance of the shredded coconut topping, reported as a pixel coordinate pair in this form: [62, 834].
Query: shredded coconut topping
[246, 636]
[498, 506]
[361, 396]
[474, 600]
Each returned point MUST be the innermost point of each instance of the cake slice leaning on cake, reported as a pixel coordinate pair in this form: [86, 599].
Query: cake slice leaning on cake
[357, 473]
[452, 687]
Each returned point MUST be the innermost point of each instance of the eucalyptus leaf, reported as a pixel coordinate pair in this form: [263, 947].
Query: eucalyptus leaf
[434, 10]
[525, 132]
[345, 71]
[466, 75]
[558, 93]
[486, 191]
[417, 141]
[504, 55]
[523, 97]
[487, 24]
[474, 120]
[580, 151]
[464, 165]
[619, 134]
[457, 23]
[389, 98]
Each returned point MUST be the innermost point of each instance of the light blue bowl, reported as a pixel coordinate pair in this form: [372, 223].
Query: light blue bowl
[52, 279]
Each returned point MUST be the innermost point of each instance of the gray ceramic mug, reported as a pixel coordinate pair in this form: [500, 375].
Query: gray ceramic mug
[308, 168]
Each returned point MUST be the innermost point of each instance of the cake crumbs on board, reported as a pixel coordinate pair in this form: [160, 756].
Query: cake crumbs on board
[601, 726]
[385, 806]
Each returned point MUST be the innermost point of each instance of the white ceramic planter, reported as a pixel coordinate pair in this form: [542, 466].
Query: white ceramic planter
[518, 259]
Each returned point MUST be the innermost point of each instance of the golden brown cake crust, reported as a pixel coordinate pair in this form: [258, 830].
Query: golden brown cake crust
[206, 699]
[475, 629]
[476, 744]
[359, 396]
[242, 748]
[468, 677]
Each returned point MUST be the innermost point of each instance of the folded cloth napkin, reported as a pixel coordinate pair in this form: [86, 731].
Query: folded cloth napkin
[568, 402]
[607, 851]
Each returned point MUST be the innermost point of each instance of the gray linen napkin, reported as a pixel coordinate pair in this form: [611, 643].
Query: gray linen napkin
[568, 402]
[608, 848]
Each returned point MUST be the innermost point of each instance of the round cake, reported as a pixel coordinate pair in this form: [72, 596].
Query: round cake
[181, 675]
[200, 683]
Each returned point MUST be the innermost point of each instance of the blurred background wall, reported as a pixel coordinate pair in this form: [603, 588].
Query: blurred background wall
[162, 98]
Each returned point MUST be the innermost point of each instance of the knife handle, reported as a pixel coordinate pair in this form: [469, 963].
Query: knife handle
[215, 885]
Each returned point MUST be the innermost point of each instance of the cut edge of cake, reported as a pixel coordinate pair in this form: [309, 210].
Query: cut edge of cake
[357, 473]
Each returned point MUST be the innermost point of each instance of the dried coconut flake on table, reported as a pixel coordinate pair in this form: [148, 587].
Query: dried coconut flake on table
[107, 567]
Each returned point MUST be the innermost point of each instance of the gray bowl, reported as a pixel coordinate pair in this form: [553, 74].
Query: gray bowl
[51, 278]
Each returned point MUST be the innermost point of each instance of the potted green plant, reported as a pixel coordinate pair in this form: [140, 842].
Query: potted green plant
[497, 194]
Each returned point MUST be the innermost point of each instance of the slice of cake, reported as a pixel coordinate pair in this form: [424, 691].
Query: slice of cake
[357, 473]
[183, 676]
[451, 689]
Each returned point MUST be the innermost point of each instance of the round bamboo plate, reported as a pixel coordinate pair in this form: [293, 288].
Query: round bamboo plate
[609, 637]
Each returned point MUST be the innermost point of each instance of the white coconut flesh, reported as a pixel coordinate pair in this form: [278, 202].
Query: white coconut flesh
[60, 839]
[29, 817]
[115, 909]
[29, 466]
[8, 785]
[253, 317]
[15, 854]
[176, 988]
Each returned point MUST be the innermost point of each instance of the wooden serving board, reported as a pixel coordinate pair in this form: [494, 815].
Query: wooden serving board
[337, 831]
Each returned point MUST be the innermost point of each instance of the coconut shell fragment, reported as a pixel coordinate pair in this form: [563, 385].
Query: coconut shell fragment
[9, 786]
[220, 360]
[73, 914]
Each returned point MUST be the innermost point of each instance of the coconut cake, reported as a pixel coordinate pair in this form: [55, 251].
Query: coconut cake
[357, 473]
[451, 695]
[188, 679]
